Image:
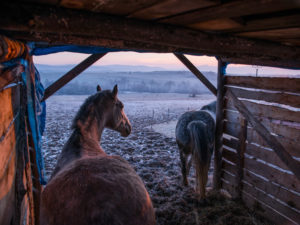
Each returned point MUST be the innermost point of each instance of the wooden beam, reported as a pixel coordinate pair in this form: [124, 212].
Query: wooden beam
[197, 73]
[276, 22]
[71, 74]
[44, 23]
[232, 9]
[292, 164]
[219, 125]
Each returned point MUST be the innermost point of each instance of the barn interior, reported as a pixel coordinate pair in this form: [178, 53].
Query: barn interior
[256, 146]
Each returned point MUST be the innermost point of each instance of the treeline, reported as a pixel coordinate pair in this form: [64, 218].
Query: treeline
[159, 84]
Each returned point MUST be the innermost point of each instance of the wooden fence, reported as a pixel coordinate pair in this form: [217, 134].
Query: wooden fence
[251, 170]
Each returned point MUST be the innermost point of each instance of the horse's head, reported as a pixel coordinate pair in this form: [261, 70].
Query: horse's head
[116, 118]
[105, 108]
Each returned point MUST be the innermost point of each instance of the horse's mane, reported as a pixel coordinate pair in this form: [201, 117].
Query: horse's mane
[85, 111]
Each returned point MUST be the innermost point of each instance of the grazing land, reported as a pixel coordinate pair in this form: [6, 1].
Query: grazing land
[152, 151]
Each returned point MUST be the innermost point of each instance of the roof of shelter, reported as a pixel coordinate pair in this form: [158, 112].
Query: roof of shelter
[262, 32]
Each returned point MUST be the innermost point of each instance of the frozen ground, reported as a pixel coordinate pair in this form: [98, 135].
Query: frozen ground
[151, 149]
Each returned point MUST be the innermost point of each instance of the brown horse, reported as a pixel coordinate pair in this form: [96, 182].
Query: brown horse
[89, 187]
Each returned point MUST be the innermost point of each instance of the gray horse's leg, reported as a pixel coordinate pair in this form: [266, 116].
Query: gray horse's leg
[189, 164]
[183, 168]
[201, 179]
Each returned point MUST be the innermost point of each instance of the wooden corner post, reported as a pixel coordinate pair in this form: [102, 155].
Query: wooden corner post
[219, 125]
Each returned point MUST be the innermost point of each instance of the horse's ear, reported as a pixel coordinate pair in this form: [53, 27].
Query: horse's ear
[98, 88]
[115, 91]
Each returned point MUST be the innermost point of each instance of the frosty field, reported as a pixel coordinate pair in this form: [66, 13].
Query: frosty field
[152, 151]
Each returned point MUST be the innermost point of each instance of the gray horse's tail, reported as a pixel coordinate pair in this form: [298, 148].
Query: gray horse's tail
[200, 142]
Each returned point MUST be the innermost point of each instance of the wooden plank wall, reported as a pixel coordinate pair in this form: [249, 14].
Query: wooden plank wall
[16, 200]
[266, 182]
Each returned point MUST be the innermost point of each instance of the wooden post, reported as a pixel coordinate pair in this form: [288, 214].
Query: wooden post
[219, 126]
[196, 72]
[240, 154]
[71, 74]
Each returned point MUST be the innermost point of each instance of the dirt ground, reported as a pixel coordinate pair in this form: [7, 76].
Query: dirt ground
[154, 156]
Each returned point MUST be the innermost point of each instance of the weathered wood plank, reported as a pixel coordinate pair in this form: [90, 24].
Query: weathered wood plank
[231, 10]
[6, 111]
[71, 74]
[124, 7]
[265, 210]
[197, 73]
[274, 97]
[7, 151]
[229, 155]
[273, 34]
[278, 206]
[232, 129]
[257, 151]
[7, 170]
[38, 23]
[282, 178]
[273, 22]
[290, 145]
[269, 83]
[229, 167]
[7, 202]
[265, 155]
[230, 183]
[290, 198]
[170, 7]
[274, 126]
[269, 111]
[217, 24]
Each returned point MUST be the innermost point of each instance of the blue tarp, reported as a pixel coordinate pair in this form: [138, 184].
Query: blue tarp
[36, 110]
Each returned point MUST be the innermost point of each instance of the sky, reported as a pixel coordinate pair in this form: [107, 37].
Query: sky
[163, 60]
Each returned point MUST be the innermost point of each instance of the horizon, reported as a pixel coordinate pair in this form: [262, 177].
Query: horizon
[165, 61]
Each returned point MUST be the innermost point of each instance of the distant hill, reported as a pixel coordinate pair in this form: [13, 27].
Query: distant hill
[128, 78]
[104, 68]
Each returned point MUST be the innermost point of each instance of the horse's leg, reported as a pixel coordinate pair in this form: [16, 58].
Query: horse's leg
[183, 168]
[202, 179]
[189, 164]
[198, 177]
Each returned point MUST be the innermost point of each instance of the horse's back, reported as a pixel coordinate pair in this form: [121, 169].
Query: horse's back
[99, 190]
[182, 131]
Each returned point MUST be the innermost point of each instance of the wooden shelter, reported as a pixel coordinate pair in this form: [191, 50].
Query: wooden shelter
[258, 127]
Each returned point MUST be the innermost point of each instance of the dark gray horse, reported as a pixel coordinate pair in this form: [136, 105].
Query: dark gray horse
[195, 132]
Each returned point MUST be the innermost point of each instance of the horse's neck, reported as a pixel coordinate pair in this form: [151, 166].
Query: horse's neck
[89, 139]
[80, 144]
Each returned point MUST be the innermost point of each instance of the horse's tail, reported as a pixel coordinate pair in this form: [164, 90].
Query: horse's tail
[199, 141]
[202, 151]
